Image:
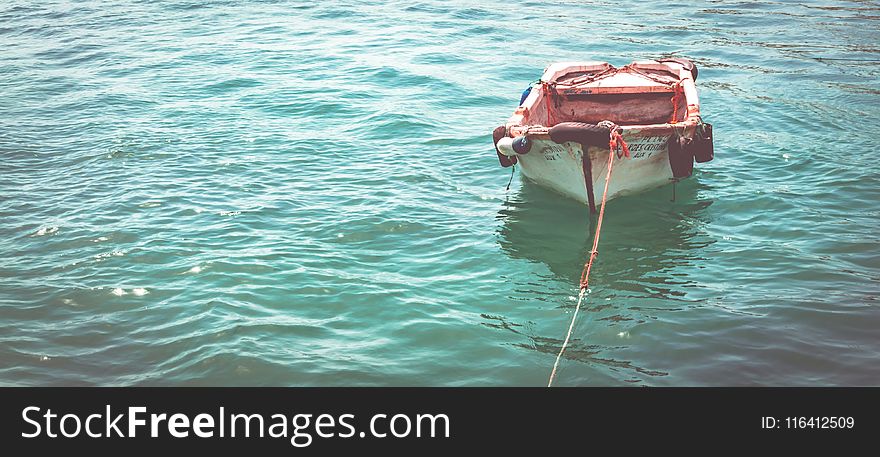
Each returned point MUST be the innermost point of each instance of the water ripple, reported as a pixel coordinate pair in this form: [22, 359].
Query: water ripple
[301, 193]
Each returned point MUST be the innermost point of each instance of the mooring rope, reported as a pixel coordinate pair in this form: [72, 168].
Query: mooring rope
[616, 140]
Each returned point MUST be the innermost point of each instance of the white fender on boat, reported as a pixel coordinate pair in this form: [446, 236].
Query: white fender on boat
[505, 146]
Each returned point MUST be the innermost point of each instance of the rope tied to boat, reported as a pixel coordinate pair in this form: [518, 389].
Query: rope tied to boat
[552, 99]
[609, 70]
[615, 144]
[677, 93]
[667, 81]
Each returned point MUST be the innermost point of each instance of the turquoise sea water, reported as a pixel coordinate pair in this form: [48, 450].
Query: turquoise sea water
[305, 193]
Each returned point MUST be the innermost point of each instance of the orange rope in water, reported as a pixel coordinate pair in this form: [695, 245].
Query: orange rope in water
[615, 141]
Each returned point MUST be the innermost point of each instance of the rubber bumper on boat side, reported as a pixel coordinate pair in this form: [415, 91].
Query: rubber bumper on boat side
[704, 148]
[580, 132]
[499, 133]
[681, 156]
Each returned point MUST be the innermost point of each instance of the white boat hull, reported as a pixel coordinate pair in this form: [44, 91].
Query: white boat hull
[559, 167]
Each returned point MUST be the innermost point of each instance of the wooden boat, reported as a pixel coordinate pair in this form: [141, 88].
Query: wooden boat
[559, 135]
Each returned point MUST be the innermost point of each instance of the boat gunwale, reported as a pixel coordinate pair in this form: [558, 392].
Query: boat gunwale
[515, 127]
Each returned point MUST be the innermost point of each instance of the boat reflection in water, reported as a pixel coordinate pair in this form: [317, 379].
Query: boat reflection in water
[645, 277]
